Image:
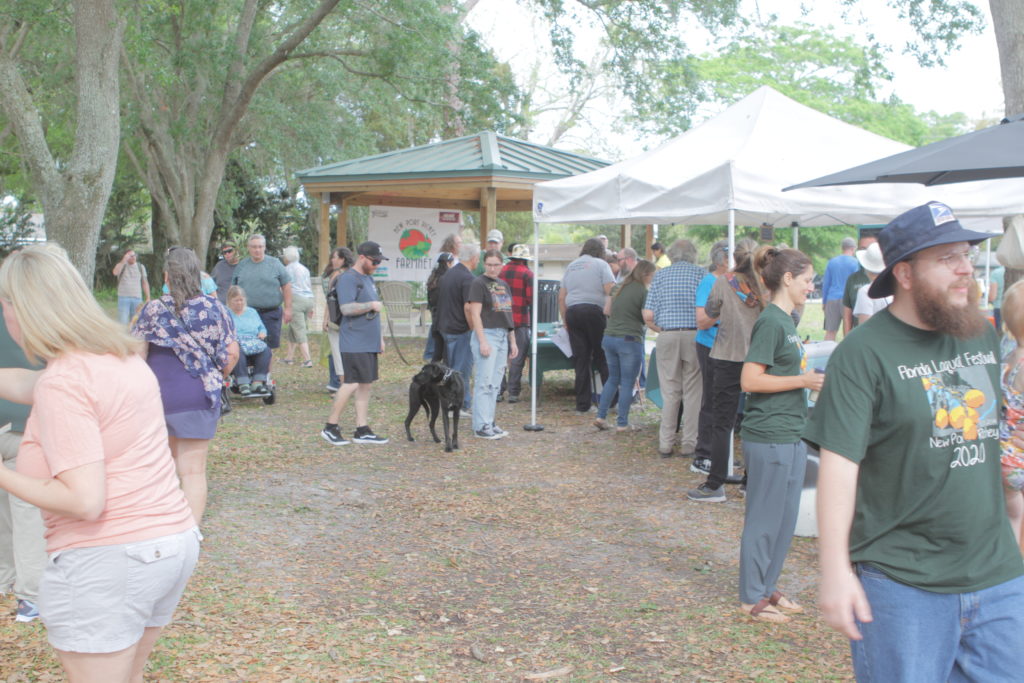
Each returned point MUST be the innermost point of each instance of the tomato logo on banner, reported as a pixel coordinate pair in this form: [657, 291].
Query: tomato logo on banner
[414, 244]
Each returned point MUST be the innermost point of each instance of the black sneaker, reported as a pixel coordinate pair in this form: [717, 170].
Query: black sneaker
[701, 466]
[332, 433]
[513, 398]
[366, 435]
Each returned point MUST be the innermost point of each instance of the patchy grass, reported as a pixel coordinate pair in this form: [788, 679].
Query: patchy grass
[568, 549]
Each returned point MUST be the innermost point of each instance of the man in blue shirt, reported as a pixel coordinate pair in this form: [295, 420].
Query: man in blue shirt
[361, 339]
[834, 283]
[670, 310]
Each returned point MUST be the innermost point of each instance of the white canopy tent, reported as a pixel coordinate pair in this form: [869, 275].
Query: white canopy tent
[731, 170]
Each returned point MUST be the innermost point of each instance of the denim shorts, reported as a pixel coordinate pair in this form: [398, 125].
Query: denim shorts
[101, 599]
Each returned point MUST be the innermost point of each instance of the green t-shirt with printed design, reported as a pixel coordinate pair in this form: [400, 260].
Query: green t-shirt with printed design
[777, 417]
[918, 411]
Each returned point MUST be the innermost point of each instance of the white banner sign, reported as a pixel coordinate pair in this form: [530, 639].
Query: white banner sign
[411, 239]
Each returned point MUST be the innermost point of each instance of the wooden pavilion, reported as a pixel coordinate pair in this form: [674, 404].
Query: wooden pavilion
[486, 172]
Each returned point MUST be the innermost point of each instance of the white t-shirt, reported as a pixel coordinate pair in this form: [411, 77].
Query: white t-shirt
[866, 305]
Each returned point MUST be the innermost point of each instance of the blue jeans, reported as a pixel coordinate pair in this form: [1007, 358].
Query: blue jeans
[428, 350]
[487, 375]
[260, 363]
[459, 357]
[126, 306]
[919, 635]
[624, 359]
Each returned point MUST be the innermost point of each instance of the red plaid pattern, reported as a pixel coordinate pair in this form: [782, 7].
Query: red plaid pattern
[520, 282]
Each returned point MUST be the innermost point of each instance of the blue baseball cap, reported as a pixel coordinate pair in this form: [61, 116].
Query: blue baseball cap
[928, 225]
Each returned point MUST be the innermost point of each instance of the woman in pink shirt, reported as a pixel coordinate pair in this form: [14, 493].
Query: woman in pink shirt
[121, 539]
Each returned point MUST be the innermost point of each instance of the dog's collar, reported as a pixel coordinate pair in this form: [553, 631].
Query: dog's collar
[447, 374]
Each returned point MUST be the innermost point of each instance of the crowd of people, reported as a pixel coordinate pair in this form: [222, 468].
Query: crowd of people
[917, 517]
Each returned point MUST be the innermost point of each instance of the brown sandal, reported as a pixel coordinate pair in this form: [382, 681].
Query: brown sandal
[779, 600]
[765, 611]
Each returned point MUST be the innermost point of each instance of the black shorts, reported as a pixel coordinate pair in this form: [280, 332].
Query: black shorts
[271, 318]
[360, 367]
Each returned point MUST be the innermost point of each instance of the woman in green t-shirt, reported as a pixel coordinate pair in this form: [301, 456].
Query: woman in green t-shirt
[623, 343]
[775, 378]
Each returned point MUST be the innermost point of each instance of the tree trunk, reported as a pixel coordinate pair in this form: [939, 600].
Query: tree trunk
[1008, 23]
[74, 194]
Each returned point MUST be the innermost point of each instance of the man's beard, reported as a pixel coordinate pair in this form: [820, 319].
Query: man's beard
[935, 310]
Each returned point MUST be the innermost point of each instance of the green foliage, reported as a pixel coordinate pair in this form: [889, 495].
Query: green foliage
[125, 226]
[372, 77]
[938, 23]
[836, 76]
[647, 57]
[15, 230]
[820, 244]
[248, 206]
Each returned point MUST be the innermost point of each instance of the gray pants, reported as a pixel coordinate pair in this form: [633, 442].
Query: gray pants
[22, 546]
[775, 477]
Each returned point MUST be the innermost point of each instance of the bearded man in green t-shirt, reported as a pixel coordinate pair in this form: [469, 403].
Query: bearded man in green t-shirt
[919, 567]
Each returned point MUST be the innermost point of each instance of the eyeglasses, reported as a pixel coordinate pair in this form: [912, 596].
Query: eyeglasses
[954, 260]
[227, 251]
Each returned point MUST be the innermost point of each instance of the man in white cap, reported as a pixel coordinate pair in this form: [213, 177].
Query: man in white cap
[494, 241]
[919, 566]
[871, 261]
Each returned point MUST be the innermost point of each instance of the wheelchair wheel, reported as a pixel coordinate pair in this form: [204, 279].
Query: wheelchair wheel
[271, 397]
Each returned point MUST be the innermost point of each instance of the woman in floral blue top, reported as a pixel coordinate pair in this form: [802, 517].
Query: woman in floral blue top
[192, 348]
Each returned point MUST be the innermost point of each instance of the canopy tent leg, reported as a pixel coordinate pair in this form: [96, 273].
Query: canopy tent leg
[533, 426]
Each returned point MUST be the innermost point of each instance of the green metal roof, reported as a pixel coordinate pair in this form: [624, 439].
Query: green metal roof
[485, 153]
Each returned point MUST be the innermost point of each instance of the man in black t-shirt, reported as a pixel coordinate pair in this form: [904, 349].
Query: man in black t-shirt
[452, 321]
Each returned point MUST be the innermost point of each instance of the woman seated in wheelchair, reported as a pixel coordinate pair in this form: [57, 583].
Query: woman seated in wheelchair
[250, 373]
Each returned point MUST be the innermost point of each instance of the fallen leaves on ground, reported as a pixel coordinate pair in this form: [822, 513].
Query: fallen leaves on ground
[569, 554]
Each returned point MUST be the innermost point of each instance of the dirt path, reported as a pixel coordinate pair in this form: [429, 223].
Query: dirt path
[569, 553]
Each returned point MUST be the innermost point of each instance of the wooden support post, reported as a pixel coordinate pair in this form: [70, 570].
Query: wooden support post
[488, 213]
[343, 224]
[648, 241]
[324, 221]
[627, 236]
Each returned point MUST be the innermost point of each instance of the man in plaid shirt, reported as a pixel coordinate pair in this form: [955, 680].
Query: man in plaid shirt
[520, 282]
[670, 310]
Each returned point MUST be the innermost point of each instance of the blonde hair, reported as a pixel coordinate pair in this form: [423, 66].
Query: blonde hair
[233, 291]
[1013, 310]
[56, 311]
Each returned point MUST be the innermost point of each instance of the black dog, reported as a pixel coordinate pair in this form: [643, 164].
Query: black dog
[437, 388]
